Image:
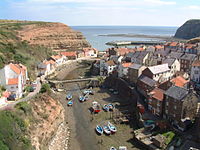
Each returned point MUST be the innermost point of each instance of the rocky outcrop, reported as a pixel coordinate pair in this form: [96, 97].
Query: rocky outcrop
[189, 30]
[56, 36]
[48, 115]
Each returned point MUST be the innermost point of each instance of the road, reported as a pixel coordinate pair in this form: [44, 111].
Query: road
[27, 98]
[78, 117]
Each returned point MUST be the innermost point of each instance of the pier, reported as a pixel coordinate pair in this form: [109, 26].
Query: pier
[125, 43]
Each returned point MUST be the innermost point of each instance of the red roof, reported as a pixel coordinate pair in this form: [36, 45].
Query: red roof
[196, 63]
[157, 94]
[55, 57]
[18, 68]
[110, 63]
[68, 54]
[179, 81]
[126, 65]
[89, 49]
[13, 81]
[159, 47]
[49, 62]
[173, 44]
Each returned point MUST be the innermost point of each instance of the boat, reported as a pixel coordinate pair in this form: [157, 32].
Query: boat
[99, 129]
[106, 130]
[96, 107]
[70, 103]
[69, 96]
[112, 128]
[113, 148]
[111, 107]
[82, 98]
[105, 107]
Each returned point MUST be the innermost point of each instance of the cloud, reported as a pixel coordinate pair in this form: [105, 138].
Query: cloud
[160, 2]
[194, 7]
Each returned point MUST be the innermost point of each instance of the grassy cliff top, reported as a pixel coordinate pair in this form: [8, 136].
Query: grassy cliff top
[12, 48]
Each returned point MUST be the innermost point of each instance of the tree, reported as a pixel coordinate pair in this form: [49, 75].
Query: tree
[45, 88]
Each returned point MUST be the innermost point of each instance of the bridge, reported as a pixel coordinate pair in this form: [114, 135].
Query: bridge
[73, 80]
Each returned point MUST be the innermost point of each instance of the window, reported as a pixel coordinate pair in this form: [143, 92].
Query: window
[167, 104]
[175, 107]
[174, 115]
[166, 111]
[196, 72]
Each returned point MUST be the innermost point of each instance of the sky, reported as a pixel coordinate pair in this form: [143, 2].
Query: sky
[103, 12]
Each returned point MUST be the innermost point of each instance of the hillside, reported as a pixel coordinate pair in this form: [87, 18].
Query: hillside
[189, 30]
[29, 42]
[29, 126]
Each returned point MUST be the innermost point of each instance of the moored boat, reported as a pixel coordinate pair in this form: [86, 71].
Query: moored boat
[81, 98]
[99, 129]
[96, 107]
[69, 96]
[112, 128]
[111, 107]
[106, 130]
[113, 148]
[105, 107]
[70, 103]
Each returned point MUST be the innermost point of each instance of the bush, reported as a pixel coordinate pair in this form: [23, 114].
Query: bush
[29, 89]
[3, 146]
[45, 88]
[24, 106]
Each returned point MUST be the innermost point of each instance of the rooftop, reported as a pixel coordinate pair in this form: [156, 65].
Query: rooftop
[157, 94]
[196, 63]
[135, 66]
[159, 68]
[147, 80]
[176, 92]
[13, 81]
[188, 57]
[179, 81]
[169, 61]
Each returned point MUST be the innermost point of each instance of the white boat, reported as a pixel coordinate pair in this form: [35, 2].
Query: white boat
[112, 128]
[113, 148]
[99, 129]
[106, 130]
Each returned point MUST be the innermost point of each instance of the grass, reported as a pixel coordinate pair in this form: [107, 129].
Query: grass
[169, 135]
[12, 48]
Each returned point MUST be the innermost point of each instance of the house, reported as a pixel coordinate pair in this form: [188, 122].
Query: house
[155, 101]
[71, 55]
[180, 82]
[159, 47]
[140, 57]
[195, 71]
[159, 73]
[180, 104]
[13, 78]
[176, 55]
[134, 71]
[191, 48]
[59, 59]
[123, 70]
[107, 67]
[174, 65]
[186, 62]
[90, 52]
[145, 85]
[173, 46]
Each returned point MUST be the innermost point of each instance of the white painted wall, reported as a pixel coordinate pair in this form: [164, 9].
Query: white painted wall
[195, 74]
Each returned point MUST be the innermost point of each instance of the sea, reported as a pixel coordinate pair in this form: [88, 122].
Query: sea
[92, 33]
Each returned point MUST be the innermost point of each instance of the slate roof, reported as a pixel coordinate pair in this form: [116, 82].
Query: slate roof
[147, 80]
[188, 56]
[159, 68]
[175, 55]
[135, 66]
[176, 92]
[169, 61]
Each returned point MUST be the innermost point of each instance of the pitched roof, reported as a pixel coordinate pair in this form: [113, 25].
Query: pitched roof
[196, 63]
[111, 63]
[49, 62]
[147, 80]
[12, 81]
[159, 47]
[159, 68]
[188, 56]
[173, 44]
[135, 66]
[68, 54]
[169, 61]
[55, 57]
[126, 65]
[15, 68]
[176, 92]
[175, 55]
[179, 81]
[157, 94]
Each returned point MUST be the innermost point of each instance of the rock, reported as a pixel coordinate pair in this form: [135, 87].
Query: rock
[189, 30]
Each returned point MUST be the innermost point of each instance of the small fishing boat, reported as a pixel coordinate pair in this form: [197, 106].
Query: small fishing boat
[99, 129]
[70, 103]
[112, 128]
[113, 148]
[105, 107]
[106, 130]
[96, 107]
[82, 98]
[111, 107]
[69, 96]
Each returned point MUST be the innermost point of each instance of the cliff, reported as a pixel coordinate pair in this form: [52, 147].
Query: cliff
[189, 30]
[31, 125]
[29, 42]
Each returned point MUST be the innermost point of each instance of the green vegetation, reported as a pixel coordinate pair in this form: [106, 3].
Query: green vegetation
[169, 135]
[2, 89]
[45, 88]
[12, 48]
[13, 131]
